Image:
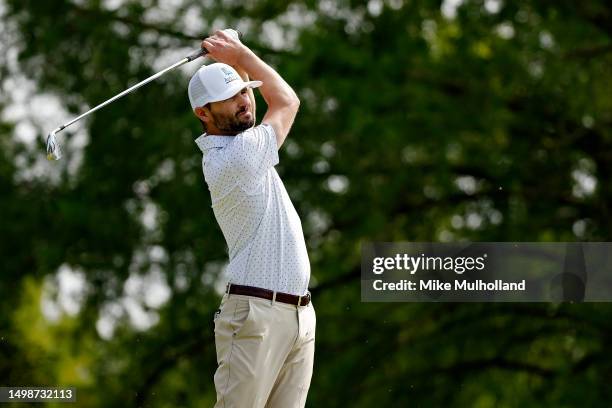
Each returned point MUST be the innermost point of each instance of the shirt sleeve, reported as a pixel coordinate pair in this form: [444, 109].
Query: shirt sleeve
[254, 152]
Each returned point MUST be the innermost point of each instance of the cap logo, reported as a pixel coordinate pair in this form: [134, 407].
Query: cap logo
[229, 75]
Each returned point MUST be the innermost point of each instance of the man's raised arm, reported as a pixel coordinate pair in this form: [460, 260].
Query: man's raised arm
[282, 101]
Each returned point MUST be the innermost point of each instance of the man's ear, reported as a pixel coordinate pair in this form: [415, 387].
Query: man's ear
[203, 113]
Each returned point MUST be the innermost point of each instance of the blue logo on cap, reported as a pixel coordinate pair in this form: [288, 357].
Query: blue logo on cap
[229, 75]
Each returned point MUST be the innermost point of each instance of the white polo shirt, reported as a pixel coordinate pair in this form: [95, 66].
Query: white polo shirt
[262, 230]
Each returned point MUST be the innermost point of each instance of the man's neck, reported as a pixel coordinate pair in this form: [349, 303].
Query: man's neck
[218, 132]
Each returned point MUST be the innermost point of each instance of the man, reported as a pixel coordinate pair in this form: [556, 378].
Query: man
[265, 327]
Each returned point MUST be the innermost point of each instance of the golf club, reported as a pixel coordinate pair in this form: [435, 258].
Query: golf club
[54, 151]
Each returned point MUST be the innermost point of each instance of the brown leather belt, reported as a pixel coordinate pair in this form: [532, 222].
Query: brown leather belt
[268, 294]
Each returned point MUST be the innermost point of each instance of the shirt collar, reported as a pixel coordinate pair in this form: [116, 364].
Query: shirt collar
[206, 142]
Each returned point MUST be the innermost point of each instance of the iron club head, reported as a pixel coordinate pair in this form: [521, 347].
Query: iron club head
[54, 152]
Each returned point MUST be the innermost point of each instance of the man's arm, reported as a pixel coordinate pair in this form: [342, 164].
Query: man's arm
[282, 101]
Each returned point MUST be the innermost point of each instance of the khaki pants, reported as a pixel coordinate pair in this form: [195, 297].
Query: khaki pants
[265, 353]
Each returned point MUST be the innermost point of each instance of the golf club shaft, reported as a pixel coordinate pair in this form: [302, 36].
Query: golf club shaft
[133, 88]
[54, 151]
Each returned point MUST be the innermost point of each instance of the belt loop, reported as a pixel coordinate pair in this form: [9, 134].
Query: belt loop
[273, 298]
[299, 301]
[227, 289]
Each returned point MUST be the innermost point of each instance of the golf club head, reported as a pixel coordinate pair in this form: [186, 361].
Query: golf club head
[54, 152]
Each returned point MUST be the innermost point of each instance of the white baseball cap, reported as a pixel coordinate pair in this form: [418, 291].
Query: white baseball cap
[216, 82]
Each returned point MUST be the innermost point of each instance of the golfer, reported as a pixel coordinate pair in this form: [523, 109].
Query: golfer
[265, 326]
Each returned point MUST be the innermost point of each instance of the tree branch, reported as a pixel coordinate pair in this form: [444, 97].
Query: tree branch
[588, 52]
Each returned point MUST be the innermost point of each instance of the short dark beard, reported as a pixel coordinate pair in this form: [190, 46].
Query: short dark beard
[231, 124]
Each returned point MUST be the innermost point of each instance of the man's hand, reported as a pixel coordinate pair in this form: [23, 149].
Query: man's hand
[223, 47]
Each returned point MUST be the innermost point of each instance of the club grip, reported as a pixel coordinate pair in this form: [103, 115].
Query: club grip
[198, 54]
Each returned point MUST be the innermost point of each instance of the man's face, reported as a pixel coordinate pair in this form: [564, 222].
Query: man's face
[232, 115]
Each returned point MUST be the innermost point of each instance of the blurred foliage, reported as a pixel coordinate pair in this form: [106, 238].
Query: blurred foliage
[419, 122]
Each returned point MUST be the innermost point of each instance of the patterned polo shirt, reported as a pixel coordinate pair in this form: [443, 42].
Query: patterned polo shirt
[262, 230]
